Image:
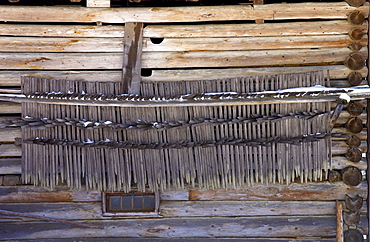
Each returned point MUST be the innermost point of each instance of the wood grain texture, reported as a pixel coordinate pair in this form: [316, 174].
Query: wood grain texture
[314, 10]
[11, 78]
[9, 150]
[75, 61]
[10, 166]
[240, 227]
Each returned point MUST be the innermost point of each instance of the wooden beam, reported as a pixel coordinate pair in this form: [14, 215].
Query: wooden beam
[309, 10]
[339, 226]
[131, 70]
[198, 59]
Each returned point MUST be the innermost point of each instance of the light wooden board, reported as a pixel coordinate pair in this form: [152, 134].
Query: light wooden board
[309, 10]
[327, 27]
[341, 147]
[320, 191]
[13, 78]
[37, 44]
[9, 150]
[9, 108]
[9, 134]
[340, 162]
[75, 61]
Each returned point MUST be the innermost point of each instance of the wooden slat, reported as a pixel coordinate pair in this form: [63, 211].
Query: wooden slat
[334, 27]
[313, 10]
[240, 227]
[74, 61]
[11, 78]
[9, 150]
[10, 166]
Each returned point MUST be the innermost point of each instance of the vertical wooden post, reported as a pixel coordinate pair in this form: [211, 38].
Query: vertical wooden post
[368, 139]
[133, 45]
[339, 209]
[98, 3]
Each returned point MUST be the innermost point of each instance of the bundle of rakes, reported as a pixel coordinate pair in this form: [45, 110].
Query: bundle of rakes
[116, 148]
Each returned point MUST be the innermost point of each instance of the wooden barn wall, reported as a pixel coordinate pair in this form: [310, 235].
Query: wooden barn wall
[182, 43]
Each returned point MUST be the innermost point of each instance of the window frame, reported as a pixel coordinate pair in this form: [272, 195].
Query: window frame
[107, 213]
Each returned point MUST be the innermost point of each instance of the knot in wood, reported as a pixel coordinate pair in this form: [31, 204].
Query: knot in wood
[356, 17]
[355, 61]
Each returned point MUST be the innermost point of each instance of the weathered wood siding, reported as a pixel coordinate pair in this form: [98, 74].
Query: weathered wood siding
[183, 43]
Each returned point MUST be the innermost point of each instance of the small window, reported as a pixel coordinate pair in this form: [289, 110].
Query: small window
[130, 204]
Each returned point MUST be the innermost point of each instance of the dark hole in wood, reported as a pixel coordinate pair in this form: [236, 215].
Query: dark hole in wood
[146, 72]
[156, 41]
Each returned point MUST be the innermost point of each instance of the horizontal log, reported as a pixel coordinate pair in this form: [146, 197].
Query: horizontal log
[341, 162]
[313, 10]
[240, 227]
[66, 45]
[244, 58]
[197, 59]
[10, 108]
[341, 147]
[172, 209]
[9, 134]
[323, 191]
[335, 27]
[344, 116]
[248, 43]
[10, 150]
[331, 27]
[362, 135]
[78, 31]
[11, 78]
[10, 166]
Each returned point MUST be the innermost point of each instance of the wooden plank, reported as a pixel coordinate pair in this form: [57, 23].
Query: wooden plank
[362, 135]
[341, 147]
[9, 134]
[10, 166]
[239, 227]
[340, 162]
[75, 30]
[9, 150]
[36, 44]
[131, 68]
[12, 78]
[250, 43]
[331, 27]
[74, 61]
[335, 27]
[323, 191]
[172, 209]
[31, 194]
[9, 108]
[314, 10]
[98, 3]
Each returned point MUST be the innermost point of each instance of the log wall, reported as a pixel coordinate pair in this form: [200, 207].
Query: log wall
[185, 43]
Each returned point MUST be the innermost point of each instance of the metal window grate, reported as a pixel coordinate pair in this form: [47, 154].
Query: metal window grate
[130, 202]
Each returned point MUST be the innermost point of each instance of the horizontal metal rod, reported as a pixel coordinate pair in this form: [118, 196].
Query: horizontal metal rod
[291, 95]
